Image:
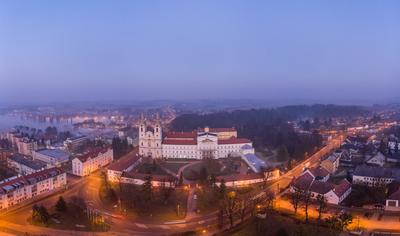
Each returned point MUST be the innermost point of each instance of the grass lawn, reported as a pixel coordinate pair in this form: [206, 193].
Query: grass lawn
[159, 211]
[150, 168]
[207, 200]
[173, 166]
[213, 167]
[69, 220]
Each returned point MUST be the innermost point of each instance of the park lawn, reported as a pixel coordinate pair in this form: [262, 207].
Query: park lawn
[163, 212]
[207, 201]
[174, 166]
[68, 221]
[212, 166]
[150, 168]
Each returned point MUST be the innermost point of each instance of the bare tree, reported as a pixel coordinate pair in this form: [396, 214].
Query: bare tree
[230, 205]
[321, 201]
[295, 199]
[245, 206]
[305, 201]
[269, 200]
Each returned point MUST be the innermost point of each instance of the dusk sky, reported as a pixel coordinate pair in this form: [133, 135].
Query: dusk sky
[319, 51]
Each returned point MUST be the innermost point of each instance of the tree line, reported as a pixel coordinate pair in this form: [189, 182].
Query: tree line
[270, 128]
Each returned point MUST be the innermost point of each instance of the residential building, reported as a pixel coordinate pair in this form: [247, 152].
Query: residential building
[5, 154]
[125, 164]
[240, 180]
[377, 160]
[26, 146]
[85, 164]
[75, 142]
[333, 193]
[132, 177]
[53, 157]
[24, 165]
[331, 164]
[375, 175]
[319, 173]
[19, 189]
[393, 201]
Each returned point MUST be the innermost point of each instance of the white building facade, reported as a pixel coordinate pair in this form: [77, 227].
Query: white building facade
[199, 144]
[19, 189]
[85, 164]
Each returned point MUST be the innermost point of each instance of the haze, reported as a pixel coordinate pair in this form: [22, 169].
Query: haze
[322, 51]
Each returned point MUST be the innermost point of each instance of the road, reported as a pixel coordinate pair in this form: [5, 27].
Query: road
[88, 187]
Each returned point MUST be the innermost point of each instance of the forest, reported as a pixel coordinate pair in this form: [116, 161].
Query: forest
[271, 128]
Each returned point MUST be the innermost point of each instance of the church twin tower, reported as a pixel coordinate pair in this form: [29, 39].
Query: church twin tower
[150, 138]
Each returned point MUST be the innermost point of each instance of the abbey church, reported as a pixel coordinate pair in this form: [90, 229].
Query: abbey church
[198, 144]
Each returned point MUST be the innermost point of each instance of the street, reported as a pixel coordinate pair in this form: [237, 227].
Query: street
[88, 188]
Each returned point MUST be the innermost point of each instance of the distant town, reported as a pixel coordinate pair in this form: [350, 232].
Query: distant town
[163, 172]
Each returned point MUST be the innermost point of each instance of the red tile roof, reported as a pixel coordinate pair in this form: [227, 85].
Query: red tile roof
[238, 177]
[27, 179]
[180, 135]
[126, 161]
[342, 187]
[92, 154]
[319, 172]
[303, 182]
[179, 142]
[321, 187]
[234, 141]
[136, 175]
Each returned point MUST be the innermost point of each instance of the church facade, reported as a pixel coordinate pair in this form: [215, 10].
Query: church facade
[199, 144]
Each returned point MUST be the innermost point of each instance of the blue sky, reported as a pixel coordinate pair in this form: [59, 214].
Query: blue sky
[319, 51]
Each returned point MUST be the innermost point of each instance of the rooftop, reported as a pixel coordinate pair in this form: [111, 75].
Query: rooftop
[238, 177]
[125, 162]
[256, 162]
[23, 160]
[58, 154]
[92, 154]
[21, 181]
[135, 175]
[321, 187]
[234, 141]
[319, 172]
[247, 147]
[376, 172]
[303, 182]
[342, 187]
[179, 142]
